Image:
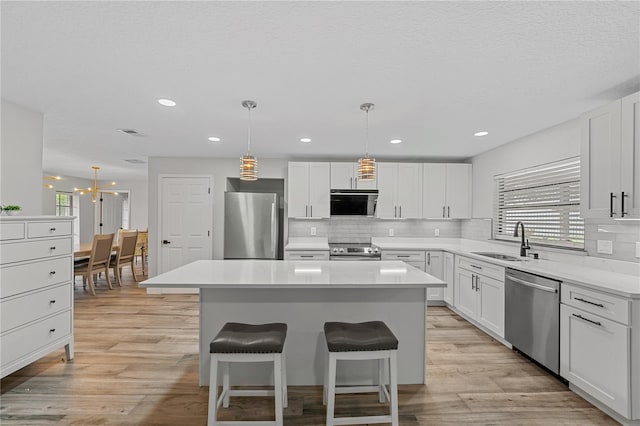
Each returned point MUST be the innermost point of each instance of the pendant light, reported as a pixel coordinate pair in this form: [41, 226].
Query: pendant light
[366, 164]
[249, 163]
[95, 189]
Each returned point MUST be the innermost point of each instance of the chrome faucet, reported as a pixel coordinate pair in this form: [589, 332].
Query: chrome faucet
[523, 246]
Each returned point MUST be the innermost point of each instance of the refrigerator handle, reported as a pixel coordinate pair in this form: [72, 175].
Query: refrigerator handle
[274, 231]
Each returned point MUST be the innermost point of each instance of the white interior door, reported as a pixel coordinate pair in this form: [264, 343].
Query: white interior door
[185, 221]
[111, 205]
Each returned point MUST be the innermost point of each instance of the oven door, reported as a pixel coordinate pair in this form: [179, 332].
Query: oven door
[365, 258]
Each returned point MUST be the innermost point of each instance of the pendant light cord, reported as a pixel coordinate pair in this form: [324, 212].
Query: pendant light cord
[249, 133]
[366, 137]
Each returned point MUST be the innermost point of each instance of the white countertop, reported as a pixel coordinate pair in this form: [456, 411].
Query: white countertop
[604, 277]
[312, 243]
[293, 274]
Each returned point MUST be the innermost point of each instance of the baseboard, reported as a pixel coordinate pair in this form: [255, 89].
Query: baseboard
[615, 416]
[436, 303]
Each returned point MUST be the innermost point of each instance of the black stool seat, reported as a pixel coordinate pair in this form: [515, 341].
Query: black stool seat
[235, 337]
[364, 336]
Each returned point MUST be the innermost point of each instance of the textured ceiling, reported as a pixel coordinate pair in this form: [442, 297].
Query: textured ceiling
[437, 72]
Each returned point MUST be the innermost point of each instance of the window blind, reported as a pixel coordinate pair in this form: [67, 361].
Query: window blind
[546, 199]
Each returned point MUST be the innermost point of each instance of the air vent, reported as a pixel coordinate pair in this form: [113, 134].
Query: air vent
[135, 161]
[131, 132]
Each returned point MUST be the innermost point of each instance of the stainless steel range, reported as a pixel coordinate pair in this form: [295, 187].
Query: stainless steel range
[353, 252]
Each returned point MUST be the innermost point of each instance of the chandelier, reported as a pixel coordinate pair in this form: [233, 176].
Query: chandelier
[249, 163]
[366, 164]
[95, 189]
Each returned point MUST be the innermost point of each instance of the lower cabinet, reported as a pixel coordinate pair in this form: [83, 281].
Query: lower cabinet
[596, 352]
[448, 269]
[434, 266]
[479, 293]
[306, 255]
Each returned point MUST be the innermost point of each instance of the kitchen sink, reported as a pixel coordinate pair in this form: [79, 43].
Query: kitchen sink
[499, 256]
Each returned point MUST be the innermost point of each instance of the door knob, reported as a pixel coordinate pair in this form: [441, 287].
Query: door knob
[166, 242]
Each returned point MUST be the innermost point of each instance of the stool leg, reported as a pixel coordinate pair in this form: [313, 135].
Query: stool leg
[225, 384]
[213, 392]
[325, 382]
[381, 381]
[331, 396]
[277, 385]
[285, 393]
[393, 391]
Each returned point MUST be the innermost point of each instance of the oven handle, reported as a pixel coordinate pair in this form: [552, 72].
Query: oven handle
[353, 258]
[536, 286]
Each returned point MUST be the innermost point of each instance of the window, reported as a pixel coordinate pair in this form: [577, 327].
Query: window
[546, 199]
[64, 203]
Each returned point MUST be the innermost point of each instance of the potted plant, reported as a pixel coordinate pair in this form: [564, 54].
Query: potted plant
[12, 210]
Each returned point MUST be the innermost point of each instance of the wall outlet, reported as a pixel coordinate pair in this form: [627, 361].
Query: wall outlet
[605, 246]
[638, 249]
[313, 230]
[391, 232]
[436, 232]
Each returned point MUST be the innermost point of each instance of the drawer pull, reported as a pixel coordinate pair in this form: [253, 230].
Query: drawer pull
[52, 272]
[52, 229]
[53, 330]
[476, 266]
[306, 255]
[52, 301]
[52, 248]
[403, 255]
[587, 320]
[600, 305]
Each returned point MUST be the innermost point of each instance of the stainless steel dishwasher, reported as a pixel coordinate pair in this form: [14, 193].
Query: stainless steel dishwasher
[532, 317]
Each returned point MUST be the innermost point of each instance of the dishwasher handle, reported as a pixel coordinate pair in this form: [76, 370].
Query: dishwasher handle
[536, 286]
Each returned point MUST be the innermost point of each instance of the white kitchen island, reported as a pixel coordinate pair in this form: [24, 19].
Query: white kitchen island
[304, 295]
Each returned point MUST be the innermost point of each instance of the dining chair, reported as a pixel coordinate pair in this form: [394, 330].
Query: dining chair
[125, 254]
[142, 248]
[98, 261]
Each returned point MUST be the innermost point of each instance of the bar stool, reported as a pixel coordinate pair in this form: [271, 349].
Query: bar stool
[361, 341]
[237, 342]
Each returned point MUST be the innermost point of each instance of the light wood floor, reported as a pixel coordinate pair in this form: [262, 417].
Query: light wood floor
[136, 363]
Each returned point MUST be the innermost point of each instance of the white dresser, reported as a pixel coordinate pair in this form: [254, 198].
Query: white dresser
[36, 289]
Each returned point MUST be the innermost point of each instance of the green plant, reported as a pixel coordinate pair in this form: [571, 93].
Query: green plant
[9, 208]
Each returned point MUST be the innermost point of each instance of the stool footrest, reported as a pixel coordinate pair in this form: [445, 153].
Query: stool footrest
[237, 423]
[361, 420]
[250, 392]
[357, 389]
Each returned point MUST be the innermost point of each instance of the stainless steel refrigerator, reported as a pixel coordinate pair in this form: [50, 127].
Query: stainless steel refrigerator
[250, 225]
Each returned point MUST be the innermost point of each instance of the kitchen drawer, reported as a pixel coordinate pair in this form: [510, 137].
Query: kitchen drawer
[22, 310]
[11, 231]
[483, 268]
[603, 304]
[32, 276]
[48, 229]
[419, 265]
[307, 255]
[23, 341]
[404, 255]
[38, 249]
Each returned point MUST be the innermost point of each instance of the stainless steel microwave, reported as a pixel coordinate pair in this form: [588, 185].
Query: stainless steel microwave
[354, 202]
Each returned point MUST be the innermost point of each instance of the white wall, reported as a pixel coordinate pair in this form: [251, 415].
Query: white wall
[138, 201]
[21, 158]
[552, 144]
[220, 169]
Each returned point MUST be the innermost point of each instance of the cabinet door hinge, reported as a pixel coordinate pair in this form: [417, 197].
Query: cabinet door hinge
[208, 233]
[208, 190]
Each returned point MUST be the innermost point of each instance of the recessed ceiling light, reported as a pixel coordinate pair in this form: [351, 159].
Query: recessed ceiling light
[214, 139]
[167, 102]
[305, 140]
[483, 133]
[395, 141]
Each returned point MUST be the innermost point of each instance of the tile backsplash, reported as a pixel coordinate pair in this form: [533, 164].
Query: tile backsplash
[361, 229]
[623, 234]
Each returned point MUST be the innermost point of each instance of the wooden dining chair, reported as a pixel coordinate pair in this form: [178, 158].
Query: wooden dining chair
[125, 255]
[98, 261]
[142, 248]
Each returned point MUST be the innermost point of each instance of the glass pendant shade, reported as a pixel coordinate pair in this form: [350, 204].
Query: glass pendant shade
[366, 168]
[248, 167]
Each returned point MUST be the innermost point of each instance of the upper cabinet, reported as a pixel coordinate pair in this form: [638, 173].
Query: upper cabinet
[400, 189]
[308, 188]
[610, 157]
[345, 176]
[446, 190]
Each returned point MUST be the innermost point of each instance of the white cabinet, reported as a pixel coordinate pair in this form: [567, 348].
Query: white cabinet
[400, 189]
[610, 160]
[306, 255]
[479, 293]
[446, 190]
[308, 188]
[598, 332]
[449, 274]
[36, 290]
[434, 266]
[345, 176]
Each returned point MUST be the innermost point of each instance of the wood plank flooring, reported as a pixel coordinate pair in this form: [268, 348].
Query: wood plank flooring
[136, 363]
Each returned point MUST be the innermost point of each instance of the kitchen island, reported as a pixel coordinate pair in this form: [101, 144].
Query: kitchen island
[305, 294]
